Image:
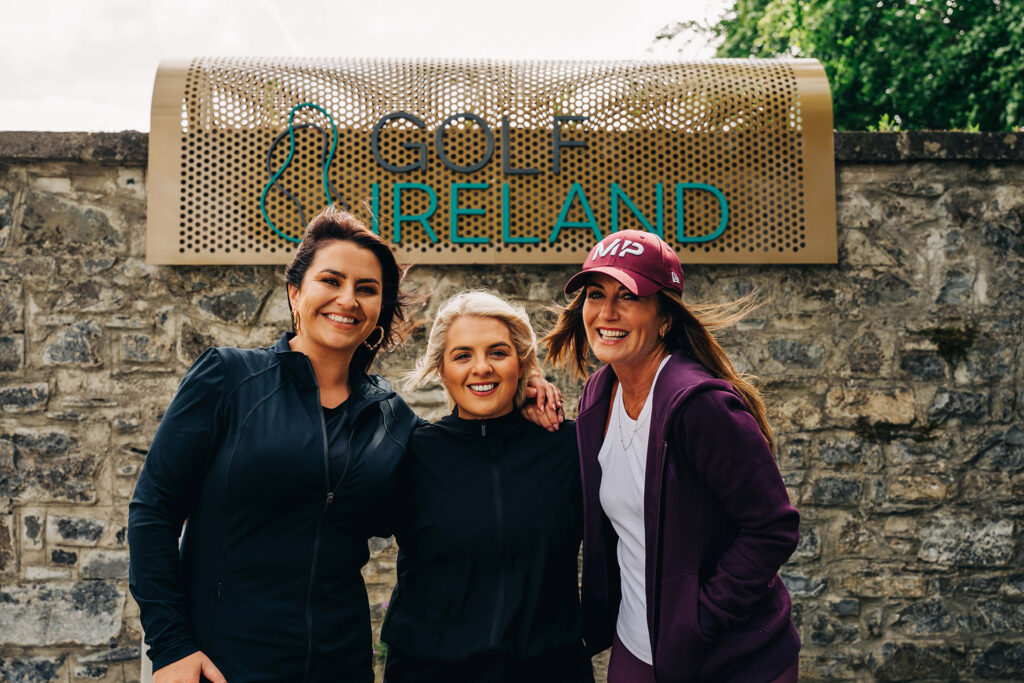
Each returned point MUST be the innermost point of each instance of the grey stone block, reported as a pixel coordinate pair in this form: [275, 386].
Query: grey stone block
[802, 354]
[61, 556]
[1003, 451]
[51, 221]
[12, 307]
[835, 491]
[75, 345]
[240, 306]
[923, 364]
[47, 614]
[926, 617]
[827, 631]
[804, 586]
[24, 398]
[104, 564]
[962, 405]
[967, 541]
[21, 669]
[957, 289]
[8, 559]
[74, 530]
[12, 352]
[1000, 660]
[846, 607]
[907, 661]
[117, 654]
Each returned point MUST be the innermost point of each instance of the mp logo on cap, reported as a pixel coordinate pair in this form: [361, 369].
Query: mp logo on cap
[629, 248]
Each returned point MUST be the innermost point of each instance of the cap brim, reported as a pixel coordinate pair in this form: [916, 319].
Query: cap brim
[634, 282]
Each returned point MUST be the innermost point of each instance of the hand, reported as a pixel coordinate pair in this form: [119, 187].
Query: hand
[188, 670]
[543, 403]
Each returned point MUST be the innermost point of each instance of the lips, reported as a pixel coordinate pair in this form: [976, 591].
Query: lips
[609, 334]
[341, 319]
[482, 388]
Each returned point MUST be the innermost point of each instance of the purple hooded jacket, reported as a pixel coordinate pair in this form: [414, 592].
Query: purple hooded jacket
[718, 527]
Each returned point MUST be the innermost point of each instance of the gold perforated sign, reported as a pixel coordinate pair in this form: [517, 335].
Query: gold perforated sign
[482, 161]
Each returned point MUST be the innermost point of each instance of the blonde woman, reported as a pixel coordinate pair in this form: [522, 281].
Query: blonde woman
[491, 521]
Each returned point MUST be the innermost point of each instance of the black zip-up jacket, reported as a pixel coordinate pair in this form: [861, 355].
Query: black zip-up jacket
[268, 581]
[488, 541]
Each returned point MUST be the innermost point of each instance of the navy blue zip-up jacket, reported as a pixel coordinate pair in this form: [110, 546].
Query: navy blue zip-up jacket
[267, 582]
[489, 536]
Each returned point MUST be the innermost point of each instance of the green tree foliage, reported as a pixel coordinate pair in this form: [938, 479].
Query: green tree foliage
[911, 64]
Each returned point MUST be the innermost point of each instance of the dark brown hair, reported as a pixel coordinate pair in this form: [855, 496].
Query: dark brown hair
[692, 331]
[331, 225]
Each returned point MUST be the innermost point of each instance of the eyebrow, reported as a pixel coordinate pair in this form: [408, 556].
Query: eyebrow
[330, 271]
[470, 348]
[594, 285]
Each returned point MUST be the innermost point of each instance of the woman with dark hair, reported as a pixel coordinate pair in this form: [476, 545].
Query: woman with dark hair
[281, 459]
[686, 518]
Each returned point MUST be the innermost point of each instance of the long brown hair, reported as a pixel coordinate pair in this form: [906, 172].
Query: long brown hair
[692, 331]
[331, 225]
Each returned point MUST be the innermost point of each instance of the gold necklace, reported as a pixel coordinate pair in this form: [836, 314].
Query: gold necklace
[634, 404]
[636, 425]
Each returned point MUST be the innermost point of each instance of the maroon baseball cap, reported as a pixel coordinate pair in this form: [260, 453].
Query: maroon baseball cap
[640, 260]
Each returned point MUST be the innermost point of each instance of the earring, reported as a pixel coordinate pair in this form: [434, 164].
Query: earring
[380, 339]
[295, 321]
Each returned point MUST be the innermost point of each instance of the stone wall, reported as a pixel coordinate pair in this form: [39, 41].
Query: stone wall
[894, 381]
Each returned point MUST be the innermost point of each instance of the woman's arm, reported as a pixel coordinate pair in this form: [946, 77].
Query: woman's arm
[723, 442]
[168, 486]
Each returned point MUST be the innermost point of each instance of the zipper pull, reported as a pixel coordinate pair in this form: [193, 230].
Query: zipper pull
[330, 497]
[483, 429]
[219, 585]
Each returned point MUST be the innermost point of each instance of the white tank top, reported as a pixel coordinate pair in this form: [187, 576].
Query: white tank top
[623, 460]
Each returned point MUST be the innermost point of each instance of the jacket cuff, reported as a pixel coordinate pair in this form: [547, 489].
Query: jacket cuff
[707, 622]
[172, 654]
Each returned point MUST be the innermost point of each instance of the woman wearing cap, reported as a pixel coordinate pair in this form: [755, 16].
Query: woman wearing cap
[686, 518]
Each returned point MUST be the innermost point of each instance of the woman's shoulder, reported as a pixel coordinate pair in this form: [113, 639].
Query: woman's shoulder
[232, 360]
[396, 411]
[597, 386]
[222, 370]
[684, 378]
[534, 438]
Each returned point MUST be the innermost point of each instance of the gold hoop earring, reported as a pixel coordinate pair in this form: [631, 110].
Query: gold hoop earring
[380, 339]
[295, 321]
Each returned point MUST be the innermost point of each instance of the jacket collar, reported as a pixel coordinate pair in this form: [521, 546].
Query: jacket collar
[681, 373]
[510, 423]
[366, 389]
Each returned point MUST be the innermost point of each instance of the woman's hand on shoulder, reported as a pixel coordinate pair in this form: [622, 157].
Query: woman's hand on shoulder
[543, 403]
[189, 670]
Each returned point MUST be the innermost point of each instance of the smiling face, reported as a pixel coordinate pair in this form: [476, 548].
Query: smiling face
[622, 328]
[339, 301]
[480, 368]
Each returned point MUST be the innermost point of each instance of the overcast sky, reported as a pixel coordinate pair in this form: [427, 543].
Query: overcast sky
[89, 64]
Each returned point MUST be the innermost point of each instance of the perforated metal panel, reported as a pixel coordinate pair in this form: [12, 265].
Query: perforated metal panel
[731, 160]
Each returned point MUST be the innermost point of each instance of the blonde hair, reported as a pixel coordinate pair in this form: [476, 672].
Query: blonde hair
[692, 330]
[477, 303]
